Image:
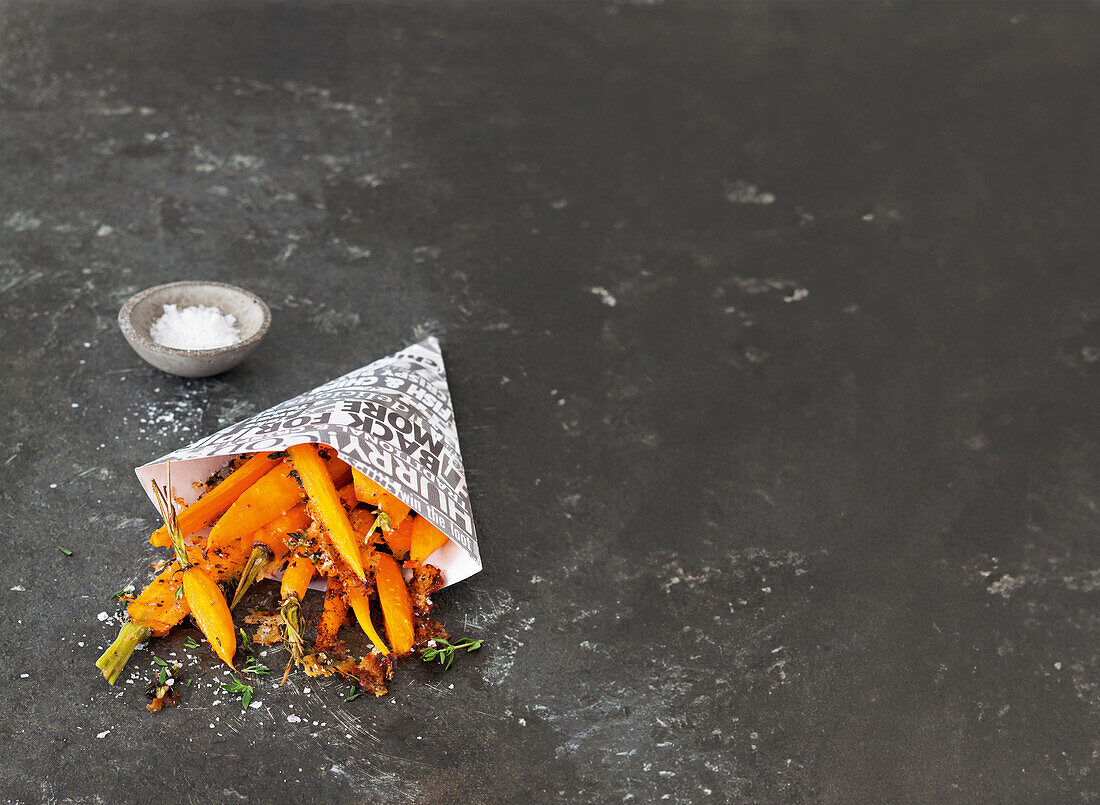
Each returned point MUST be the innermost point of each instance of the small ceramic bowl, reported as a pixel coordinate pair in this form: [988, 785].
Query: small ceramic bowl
[142, 309]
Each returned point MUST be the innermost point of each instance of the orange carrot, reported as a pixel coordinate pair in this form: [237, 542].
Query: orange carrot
[367, 491]
[210, 612]
[357, 597]
[393, 595]
[426, 540]
[400, 539]
[333, 615]
[347, 496]
[296, 580]
[296, 577]
[269, 547]
[203, 511]
[158, 606]
[325, 504]
[258, 505]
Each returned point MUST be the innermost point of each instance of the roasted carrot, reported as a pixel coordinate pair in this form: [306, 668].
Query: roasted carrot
[296, 577]
[333, 615]
[269, 547]
[367, 491]
[325, 503]
[356, 595]
[393, 595]
[296, 580]
[347, 496]
[268, 498]
[204, 597]
[426, 540]
[203, 511]
[210, 612]
[162, 604]
[400, 539]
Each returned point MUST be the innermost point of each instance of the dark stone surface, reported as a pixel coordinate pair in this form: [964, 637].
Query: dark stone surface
[804, 508]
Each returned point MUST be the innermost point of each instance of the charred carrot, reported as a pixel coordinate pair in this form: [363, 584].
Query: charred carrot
[268, 498]
[203, 511]
[357, 598]
[325, 504]
[333, 615]
[269, 547]
[296, 580]
[367, 491]
[393, 595]
[426, 540]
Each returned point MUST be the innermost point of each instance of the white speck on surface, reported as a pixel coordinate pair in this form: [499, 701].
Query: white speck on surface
[103, 734]
[24, 676]
[18, 588]
[741, 192]
[103, 616]
[605, 296]
[1006, 585]
[293, 719]
[104, 231]
[23, 221]
[797, 295]
[1057, 666]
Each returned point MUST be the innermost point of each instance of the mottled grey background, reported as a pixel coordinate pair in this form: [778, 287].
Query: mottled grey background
[773, 333]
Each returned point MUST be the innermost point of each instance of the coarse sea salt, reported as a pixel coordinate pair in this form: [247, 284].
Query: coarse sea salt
[195, 327]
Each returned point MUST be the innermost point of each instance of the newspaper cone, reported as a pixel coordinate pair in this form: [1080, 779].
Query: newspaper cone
[392, 420]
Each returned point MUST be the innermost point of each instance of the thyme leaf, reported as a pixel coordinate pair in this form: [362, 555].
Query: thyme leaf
[443, 650]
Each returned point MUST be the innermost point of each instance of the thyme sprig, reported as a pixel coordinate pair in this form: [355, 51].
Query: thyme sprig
[443, 650]
[237, 686]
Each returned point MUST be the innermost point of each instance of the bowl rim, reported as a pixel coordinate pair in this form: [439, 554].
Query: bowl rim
[125, 320]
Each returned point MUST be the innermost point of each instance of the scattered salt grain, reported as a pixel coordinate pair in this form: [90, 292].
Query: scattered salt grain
[195, 327]
[102, 616]
[104, 734]
[293, 719]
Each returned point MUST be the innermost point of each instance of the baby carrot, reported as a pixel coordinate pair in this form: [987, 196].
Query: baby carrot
[210, 612]
[296, 577]
[296, 580]
[258, 505]
[367, 491]
[333, 614]
[269, 547]
[400, 539]
[200, 513]
[393, 595]
[204, 597]
[426, 540]
[160, 606]
[360, 605]
[325, 503]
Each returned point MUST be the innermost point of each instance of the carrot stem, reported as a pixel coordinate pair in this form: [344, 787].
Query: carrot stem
[114, 659]
[261, 557]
